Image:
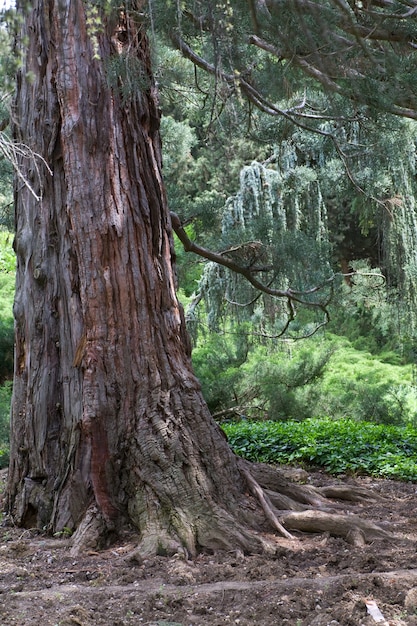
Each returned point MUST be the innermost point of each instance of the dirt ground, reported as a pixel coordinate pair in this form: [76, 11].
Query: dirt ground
[316, 580]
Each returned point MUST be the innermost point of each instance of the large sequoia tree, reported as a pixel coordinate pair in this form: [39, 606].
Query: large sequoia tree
[109, 426]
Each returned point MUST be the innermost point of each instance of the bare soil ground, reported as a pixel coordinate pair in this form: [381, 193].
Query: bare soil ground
[315, 580]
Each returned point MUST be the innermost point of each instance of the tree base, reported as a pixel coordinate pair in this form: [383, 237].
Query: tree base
[276, 504]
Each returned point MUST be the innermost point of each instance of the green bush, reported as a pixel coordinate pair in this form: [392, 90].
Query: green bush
[364, 387]
[286, 382]
[325, 375]
[217, 365]
[5, 398]
[339, 446]
[6, 349]
[7, 286]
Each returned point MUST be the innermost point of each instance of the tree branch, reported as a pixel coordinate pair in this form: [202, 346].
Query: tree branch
[290, 295]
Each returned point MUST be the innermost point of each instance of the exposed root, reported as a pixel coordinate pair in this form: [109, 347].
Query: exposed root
[265, 503]
[287, 506]
[353, 528]
[283, 502]
[275, 492]
[273, 479]
[350, 493]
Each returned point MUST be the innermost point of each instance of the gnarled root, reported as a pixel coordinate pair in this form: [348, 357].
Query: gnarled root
[353, 528]
[286, 506]
[265, 504]
[349, 493]
[275, 480]
[289, 506]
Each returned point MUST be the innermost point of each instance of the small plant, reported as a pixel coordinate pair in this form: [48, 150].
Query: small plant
[65, 532]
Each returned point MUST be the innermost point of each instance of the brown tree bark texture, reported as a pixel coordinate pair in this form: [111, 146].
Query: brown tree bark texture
[107, 415]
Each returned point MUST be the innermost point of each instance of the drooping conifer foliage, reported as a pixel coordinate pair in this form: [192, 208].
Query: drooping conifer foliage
[299, 221]
[361, 51]
[331, 75]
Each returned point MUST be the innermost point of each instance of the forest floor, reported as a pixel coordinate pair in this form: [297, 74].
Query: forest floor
[316, 580]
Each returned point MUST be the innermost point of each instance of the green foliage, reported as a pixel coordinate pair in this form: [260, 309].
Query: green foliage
[308, 207]
[365, 315]
[217, 362]
[6, 349]
[5, 398]
[276, 222]
[188, 270]
[178, 140]
[7, 282]
[205, 139]
[125, 74]
[306, 214]
[7, 255]
[325, 375]
[338, 446]
[313, 50]
[285, 382]
[8, 65]
[362, 386]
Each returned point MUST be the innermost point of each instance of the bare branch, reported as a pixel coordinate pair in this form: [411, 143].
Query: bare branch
[220, 259]
[289, 294]
[15, 152]
[292, 296]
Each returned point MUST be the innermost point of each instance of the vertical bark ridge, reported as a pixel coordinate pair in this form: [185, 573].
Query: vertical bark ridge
[107, 414]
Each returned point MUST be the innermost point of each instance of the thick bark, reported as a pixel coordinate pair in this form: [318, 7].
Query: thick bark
[107, 415]
[109, 426]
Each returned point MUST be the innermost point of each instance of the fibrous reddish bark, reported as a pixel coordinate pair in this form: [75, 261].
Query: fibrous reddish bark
[109, 426]
[107, 415]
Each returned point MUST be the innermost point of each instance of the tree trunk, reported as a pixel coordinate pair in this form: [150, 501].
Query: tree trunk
[107, 416]
[109, 427]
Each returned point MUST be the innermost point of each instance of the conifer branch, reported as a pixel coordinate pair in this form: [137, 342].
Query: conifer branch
[249, 91]
[367, 32]
[247, 272]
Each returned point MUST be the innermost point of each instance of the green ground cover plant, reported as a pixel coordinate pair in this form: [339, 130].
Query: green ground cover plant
[338, 446]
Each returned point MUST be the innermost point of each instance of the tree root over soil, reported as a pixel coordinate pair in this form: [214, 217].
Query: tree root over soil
[273, 497]
[169, 589]
[276, 492]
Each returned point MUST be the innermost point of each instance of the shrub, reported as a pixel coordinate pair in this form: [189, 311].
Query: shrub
[217, 364]
[286, 382]
[300, 380]
[5, 398]
[7, 285]
[6, 349]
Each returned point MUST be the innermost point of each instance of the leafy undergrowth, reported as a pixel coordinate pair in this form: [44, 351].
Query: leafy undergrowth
[339, 446]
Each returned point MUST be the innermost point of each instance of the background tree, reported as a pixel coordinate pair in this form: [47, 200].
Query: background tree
[363, 161]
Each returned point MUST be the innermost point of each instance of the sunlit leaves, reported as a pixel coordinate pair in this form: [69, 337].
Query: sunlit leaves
[338, 446]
